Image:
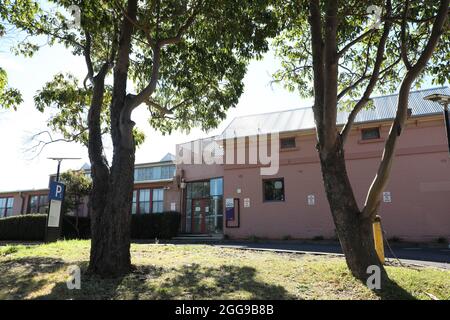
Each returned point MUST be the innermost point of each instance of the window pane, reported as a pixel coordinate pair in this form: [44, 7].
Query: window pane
[286, 143]
[158, 194]
[157, 206]
[273, 190]
[43, 200]
[142, 174]
[134, 206]
[145, 207]
[144, 195]
[9, 212]
[34, 202]
[2, 203]
[156, 175]
[10, 203]
[216, 187]
[167, 172]
[371, 133]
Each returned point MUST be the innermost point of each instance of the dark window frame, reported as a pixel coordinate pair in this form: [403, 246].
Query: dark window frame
[43, 204]
[289, 146]
[4, 210]
[264, 189]
[372, 129]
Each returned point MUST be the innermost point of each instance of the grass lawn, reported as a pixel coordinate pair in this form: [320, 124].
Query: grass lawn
[202, 272]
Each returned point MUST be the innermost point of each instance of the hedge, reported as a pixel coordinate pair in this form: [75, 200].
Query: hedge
[32, 227]
[29, 227]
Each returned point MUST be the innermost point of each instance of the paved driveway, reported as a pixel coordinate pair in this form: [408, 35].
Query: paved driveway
[437, 257]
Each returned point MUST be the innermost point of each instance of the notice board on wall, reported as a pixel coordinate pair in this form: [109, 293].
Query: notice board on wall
[232, 213]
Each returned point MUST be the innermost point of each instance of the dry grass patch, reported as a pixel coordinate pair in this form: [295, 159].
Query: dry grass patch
[202, 272]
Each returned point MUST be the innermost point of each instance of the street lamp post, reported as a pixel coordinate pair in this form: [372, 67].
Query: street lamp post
[59, 165]
[443, 100]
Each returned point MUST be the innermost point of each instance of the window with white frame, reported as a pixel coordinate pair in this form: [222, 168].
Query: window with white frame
[154, 173]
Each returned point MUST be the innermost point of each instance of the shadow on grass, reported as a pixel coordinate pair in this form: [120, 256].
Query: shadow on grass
[189, 282]
[195, 282]
[390, 290]
[21, 277]
[45, 278]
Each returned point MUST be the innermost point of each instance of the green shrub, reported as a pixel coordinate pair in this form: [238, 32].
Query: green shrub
[73, 230]
[149, 226]
[30, 227]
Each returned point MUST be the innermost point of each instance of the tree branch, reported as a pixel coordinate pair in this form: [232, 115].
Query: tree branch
[150, 88]
[315, 21]
[355, 41]
[189, 21]
[373, 78]
[373, 200]
[403, 44]
[41, 144]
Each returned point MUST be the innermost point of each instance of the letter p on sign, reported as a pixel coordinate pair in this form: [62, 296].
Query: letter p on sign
[56, 191]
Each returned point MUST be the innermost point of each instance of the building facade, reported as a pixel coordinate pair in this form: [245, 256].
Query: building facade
[218, 186]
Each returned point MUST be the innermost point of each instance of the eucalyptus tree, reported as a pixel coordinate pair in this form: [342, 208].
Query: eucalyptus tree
[10, 98]
[340, 52]
[182, 59]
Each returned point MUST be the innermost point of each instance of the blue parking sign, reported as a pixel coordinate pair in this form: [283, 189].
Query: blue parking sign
[56, 191]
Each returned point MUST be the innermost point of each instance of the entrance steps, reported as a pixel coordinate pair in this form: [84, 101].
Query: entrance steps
[188, 237]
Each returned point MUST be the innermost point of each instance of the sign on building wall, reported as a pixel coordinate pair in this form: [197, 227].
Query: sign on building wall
[173, 206]
[311, 200]
[246, 202]
[387, 197]
[229, 203]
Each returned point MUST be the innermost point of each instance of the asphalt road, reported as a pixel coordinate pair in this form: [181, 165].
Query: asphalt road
[430, 256]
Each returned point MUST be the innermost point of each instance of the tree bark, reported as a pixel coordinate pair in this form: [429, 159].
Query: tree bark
[354, 230]
[99, 171]
[110, 246]
[380, 181]
[354, 226]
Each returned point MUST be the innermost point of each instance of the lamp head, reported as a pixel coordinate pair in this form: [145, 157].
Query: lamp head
[439, 98]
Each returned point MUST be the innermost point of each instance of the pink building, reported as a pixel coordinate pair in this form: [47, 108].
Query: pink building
[292, 202]
[218, 196]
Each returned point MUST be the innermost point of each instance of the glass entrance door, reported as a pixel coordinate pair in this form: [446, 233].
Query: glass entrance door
[204, 207]
[200, 211]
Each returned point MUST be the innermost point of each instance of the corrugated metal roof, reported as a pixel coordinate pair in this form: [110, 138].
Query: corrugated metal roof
[384, 108]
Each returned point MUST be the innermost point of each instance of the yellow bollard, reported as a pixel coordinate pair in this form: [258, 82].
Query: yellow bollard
[378, 238]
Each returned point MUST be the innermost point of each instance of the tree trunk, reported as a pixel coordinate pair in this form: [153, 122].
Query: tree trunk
[354, 230]
[110, 247]
[99, 173]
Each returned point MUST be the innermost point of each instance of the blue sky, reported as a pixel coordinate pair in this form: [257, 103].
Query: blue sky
[18, 169]
[23, 171]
